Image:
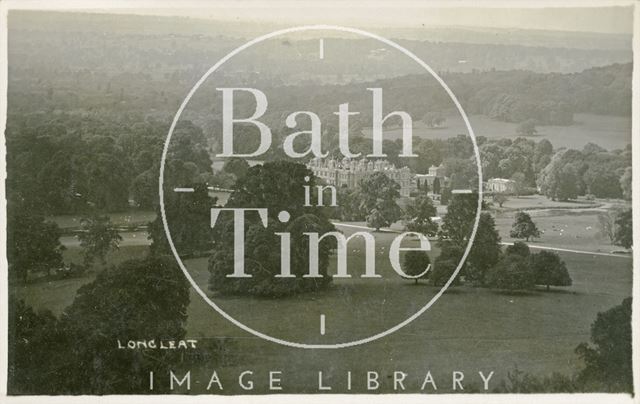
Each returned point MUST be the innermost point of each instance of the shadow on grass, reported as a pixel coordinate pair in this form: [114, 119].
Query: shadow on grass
[504, 292]
[541, 291]
[553, 291]
[413, 284]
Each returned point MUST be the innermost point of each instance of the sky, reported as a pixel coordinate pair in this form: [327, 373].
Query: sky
[604, 16]
[407, 14]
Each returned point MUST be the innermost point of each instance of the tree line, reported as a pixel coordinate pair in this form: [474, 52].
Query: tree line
[73, 165]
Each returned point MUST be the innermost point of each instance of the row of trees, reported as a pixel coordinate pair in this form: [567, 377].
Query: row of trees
[590, 171]
[486, 265]
[89, 164]
[519, 269]
[509, 96]
[76, 165]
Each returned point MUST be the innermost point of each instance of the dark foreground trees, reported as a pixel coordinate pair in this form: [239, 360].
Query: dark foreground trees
[456, 229]
[78, 354]
[485, 252]
[520, 270]
[415, 263]
[607, 362]
[98, 238]
[549, 270]
[608, 365]
[33, 244]
[277, 186]
[513, 273]
[188, 216]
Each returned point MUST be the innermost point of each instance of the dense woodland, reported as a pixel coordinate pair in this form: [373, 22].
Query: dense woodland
[97, 150]
[88, 114]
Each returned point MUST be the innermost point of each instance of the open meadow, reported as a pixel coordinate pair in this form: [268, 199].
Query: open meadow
[467, 329]
[570, 225]
[610, 132]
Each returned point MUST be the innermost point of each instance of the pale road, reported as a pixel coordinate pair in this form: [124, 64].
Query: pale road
[140, 239]
[538, 247]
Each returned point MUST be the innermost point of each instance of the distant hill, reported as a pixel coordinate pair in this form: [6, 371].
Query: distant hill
[151, 39]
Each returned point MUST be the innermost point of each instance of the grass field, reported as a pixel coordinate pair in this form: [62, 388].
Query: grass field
[579, 232]
[572, 225]
[467, 329]
[610, 132]
[56, 295]
[535, 202]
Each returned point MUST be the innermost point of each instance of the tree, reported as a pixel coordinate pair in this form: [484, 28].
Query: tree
[436, 186]
[275, 186]
[519, 248]
[500, 198]
[236, 166]
[602, 182]
[607, 226]
[624, 229]
[524, 227]
[458, 222]
[519, 181]
[542, 155]
[420, 211]
[549, 270]
[513, 272]
[442, 272]
[559, 179]
[145, 189]
[139, 298]
[34, 341]
[625, 184]
[518, 158]
[485, 251]
[462, 172]
[107, 182]
[608, 364]
[446, 263]
[415, 263]
[379, 192]
[567, 180]
[188, 216]
[98, 238]
[527, 128]
[348, 208]
[33, 244]
[491, 153]
[445, 196]
[376, 220]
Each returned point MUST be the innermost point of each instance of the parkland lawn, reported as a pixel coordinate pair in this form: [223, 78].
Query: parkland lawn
[468, 329]
[610, 132]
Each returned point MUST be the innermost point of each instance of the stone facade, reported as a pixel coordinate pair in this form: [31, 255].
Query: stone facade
[501, 185]
[349, 172]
